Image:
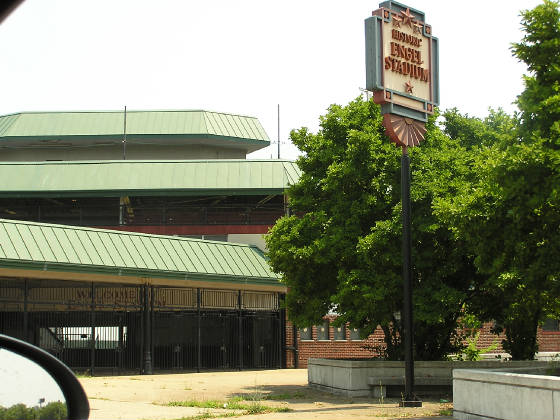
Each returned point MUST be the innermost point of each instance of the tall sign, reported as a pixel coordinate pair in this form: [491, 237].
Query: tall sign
[402, 72]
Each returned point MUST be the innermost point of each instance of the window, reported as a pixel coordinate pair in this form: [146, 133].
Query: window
[222, 238]
[305, 333]
[323, 331]
[550, 325]
[355, 334]
[340, 333]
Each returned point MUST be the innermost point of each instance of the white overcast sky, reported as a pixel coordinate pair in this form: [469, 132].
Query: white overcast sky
[240, 56]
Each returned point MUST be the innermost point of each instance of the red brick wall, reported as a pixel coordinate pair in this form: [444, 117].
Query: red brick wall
[549, 341]
[339, 349]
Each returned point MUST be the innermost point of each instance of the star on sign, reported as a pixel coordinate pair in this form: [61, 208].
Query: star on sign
[397, 21]
[408, 18]
[408, 87]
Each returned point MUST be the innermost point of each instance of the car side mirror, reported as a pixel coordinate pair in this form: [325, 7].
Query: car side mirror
[35, 380]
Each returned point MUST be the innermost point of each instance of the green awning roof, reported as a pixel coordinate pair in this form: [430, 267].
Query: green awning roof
[58, 248]
[148, 178]
[43, 128]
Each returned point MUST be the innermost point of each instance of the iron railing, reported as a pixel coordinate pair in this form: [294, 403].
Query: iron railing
[110, 328]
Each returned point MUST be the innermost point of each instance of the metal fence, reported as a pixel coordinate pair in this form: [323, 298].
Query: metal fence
[108, 328]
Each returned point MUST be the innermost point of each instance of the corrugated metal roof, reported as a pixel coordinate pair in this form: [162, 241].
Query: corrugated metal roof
[138, 123]
[42, 246]
[194, 177]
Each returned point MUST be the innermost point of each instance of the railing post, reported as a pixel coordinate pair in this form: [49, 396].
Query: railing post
[282, 331]
[25, 311]
[147, 366]
[240, 330]
[198, 337]
[92, 326]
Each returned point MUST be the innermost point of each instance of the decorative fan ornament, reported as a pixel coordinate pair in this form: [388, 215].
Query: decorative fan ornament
[405, 132]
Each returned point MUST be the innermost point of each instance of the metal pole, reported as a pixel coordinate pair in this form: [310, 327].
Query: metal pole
[152, 321]
[124, 136]
[281, 331]
[142, 328]
[121, 342]
[198, 342]
[147, 331]
[278, 131]
[409, 396]
[25, 311]
[92, 326]
[239, 305]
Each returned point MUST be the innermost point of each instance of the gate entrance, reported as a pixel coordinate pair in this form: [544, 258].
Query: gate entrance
[114, 329]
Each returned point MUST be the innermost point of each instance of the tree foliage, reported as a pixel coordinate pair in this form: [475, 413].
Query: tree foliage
[55, 410]
[485, 216]
[540, 51]
[509, 214]
[341, 250]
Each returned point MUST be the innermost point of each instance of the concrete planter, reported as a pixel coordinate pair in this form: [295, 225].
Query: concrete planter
[378, 377]
[506, 394]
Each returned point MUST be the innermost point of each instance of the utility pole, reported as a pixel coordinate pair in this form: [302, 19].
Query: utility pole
[124, 136]
[278, 131]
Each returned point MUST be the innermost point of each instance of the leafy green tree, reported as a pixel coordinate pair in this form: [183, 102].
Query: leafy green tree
[341, 250]
[55, 410]
[19, 412]
[509, 215]
[540, 51]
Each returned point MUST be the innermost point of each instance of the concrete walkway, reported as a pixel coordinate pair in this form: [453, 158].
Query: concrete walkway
[143, 397]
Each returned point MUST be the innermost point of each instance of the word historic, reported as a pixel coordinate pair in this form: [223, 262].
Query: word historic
[406, 60]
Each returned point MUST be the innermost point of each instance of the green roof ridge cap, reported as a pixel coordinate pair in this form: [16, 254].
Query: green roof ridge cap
[103, 162]
[121, 111]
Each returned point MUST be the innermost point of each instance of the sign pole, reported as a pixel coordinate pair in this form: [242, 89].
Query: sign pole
[407, 282]
[402, 70]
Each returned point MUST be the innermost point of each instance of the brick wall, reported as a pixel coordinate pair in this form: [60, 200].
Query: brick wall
[549, 341]
[347, 348]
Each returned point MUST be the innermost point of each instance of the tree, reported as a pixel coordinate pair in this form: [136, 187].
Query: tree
[341, 250]
[54, 410]
[540, 51]
[19, 412]
[509, 215]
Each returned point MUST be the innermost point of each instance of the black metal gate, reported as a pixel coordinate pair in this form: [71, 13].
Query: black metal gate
[87, 326]
[112, 328]
[215, 329]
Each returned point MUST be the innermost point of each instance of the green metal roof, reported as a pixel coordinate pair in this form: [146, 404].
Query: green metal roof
[116, 178]
[109, 125]
[41, 246]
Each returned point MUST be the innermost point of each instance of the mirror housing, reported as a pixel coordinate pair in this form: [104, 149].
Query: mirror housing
[75, 396]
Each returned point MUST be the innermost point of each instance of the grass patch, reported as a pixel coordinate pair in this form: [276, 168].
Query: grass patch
[234, 403]
[83, 374]
[207, 416]
[284, 396]
[195, 403]
[446, 412]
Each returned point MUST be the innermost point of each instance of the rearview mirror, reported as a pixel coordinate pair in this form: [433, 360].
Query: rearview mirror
[37, 384]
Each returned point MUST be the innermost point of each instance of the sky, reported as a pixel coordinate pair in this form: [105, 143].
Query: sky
[24, 381]
[245, 57]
